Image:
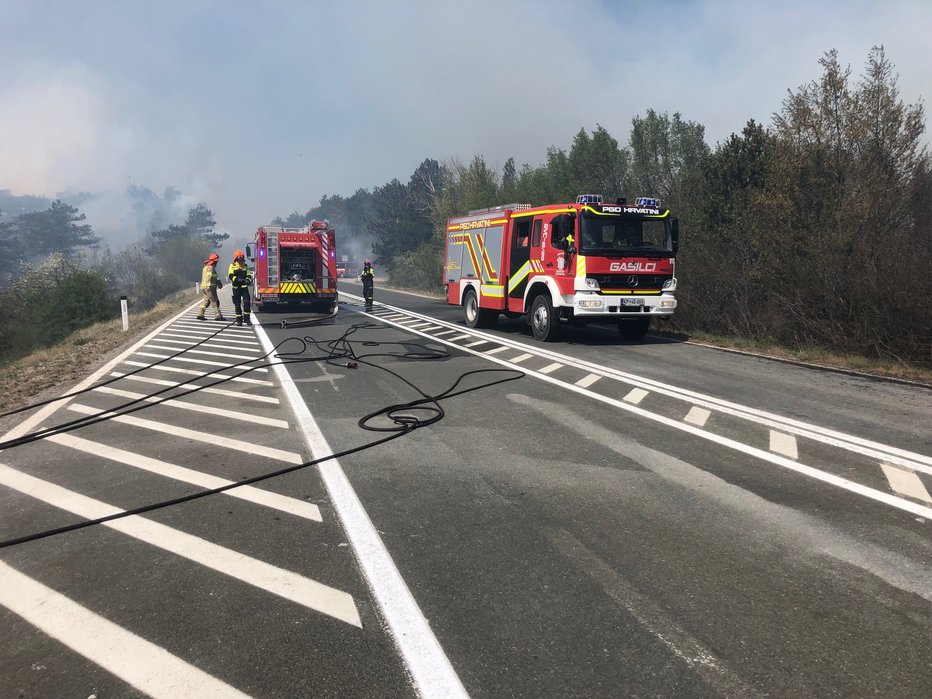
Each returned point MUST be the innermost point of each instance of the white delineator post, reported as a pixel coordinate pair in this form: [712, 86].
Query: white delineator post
[124, 310]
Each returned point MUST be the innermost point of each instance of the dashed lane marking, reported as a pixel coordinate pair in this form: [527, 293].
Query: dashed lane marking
[209, 353]
[191, 360]
[198, 336]
[282, 503]
[226, 442]
[459, 337]
[697, 416]
[588, 380]
[550, 368]
[495, 350]
[278, 581]
[478, 342]
[223, 330]
[190, 372]
[422, 326]
[195, 407]
[905, 482]
[636, 395]
[782, 443]
[215, 344]
[520, 358]
[149, 668]
[445, 332]
[237, 395]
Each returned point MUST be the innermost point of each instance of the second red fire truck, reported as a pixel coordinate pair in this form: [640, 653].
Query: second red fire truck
[295, 266]
[588, 261]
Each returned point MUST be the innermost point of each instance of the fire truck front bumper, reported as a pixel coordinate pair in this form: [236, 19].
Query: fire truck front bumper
[596, 306]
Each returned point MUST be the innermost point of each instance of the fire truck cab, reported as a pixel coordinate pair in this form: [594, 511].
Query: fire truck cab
[587, 261]
[295, 266]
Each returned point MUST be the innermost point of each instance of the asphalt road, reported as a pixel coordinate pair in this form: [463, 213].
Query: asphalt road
[595, 518]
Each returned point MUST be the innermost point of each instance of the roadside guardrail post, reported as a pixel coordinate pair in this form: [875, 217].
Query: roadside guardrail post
[124, 310]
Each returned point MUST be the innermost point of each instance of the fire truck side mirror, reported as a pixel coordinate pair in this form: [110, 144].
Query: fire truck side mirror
[249, 255]
[675, 235]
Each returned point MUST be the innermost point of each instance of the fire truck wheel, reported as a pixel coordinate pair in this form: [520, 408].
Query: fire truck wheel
[544, 324]
[477, 317]
[634, 329]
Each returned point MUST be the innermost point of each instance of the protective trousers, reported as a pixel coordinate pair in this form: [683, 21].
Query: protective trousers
[241, 302]
[210, 296]
[367, 285]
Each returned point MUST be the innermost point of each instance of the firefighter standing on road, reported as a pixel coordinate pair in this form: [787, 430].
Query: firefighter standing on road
[209, 285]
[368, 281]
[240, 278]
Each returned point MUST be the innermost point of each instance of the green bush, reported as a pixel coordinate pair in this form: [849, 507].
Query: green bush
[419, 269]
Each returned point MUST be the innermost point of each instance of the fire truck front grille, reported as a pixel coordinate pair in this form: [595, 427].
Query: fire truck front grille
[629, 281]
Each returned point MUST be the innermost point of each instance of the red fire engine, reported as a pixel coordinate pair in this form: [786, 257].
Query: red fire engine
[295, 266]
[589, 261]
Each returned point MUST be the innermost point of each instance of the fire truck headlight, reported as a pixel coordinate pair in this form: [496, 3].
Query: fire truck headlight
[590, 303]
[668, 303]
[592, 284]
[670, 285]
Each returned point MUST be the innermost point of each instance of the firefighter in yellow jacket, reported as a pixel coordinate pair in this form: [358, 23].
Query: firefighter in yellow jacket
[209, 285]
[240, 278]
[367, 277]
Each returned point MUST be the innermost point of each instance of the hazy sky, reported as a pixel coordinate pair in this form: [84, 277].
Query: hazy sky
[259, 108]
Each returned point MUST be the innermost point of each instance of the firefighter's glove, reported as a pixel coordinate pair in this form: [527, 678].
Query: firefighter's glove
[219, 284]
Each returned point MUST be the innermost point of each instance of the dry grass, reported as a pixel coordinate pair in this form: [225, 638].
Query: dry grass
[49, 372]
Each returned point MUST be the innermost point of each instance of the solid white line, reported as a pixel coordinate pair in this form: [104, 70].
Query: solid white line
[218, 344]
[42, 414]
[789, 464]
[195, 407]
[587, 381]
[551, 367]
[495, 350]
[191, 372]
[209, 353]
[697, 416]
[478, 342]
[196, 336]
[905, 482]
[913, 460]
[189, 360]
[283, 503]
[782, 443]
[278, 581]
[236, 395]
[636, 395]
[226, 442]
[427, 664]
[520, 358]
[150, 669]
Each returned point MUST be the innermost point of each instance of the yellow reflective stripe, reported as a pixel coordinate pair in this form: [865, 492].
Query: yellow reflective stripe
[496, 290]
[519, 277]
[580, 266]
[297, 288]
[637, 292]
[546, 211]
[487, 263]
[472, 255]
[610, 213]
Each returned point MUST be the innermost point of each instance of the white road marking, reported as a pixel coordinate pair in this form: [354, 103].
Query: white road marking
[478, 342]
[42, 413]
[225, 442]
[236, 395]
[782, 443]
[283, 503]
[588, 380]
[459, 337]
[213, 329]
[196, 336]
[419, 325]
[191, 360]
[190, 372]
[495, 350]
[427, 665]
[520, 358]
[213, 344]
[195, 407]
[445, 332]
[697, 416]
[636, 395]
[149, 668]
[278, 581]
[209, 353]
[905, 482]
[551, 367]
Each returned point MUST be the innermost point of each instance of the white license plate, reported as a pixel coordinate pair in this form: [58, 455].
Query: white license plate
[632, 302]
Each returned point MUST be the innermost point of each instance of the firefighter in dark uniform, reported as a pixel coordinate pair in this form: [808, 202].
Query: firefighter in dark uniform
[240, 279]
[368, 281]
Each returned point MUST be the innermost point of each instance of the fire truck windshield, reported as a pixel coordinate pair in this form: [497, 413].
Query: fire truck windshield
[623, 235]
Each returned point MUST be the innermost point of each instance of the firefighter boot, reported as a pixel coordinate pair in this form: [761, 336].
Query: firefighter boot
[220, 318]
[239, 320]
[200, 317]
[246, 318]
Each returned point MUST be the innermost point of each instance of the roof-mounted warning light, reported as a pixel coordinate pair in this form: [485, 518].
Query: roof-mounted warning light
[589, 199]
[647, 201]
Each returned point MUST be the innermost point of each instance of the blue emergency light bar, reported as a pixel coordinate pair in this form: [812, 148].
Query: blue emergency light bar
[647, 201]
[589, 199]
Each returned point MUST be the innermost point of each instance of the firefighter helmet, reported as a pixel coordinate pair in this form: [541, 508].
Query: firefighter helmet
[212, 258]
[238, 254]
[368, 262]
